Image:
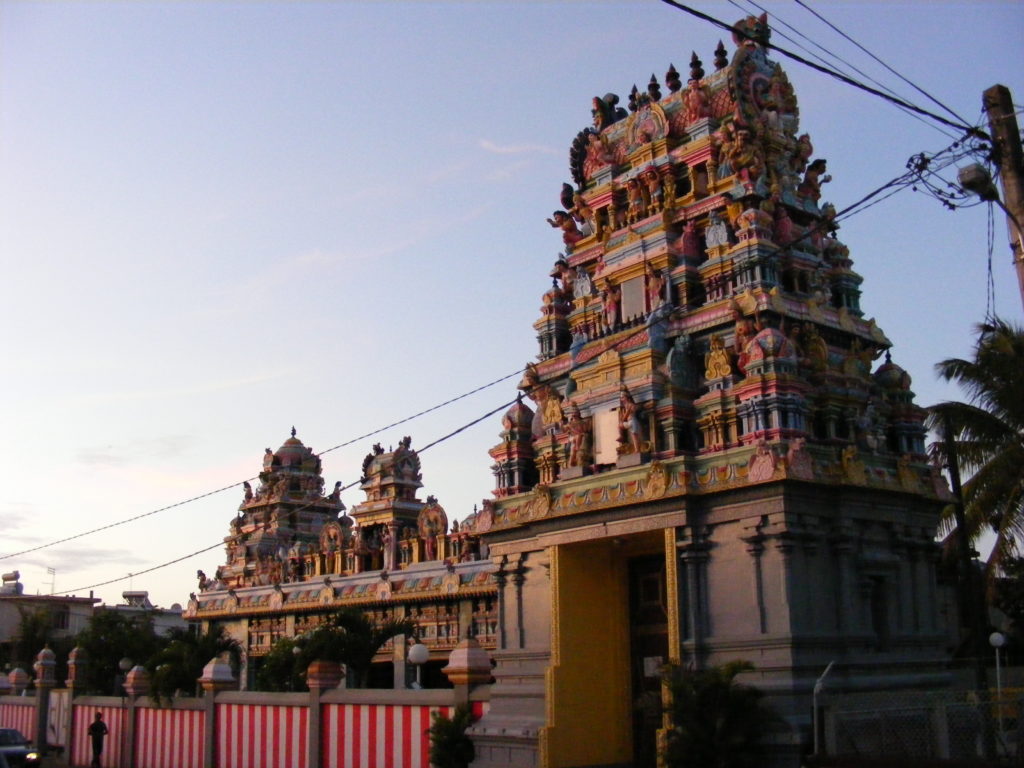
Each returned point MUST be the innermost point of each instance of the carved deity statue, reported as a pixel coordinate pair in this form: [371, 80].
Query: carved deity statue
[814, 177]
[629, 423]
[579, 438]
[716, 361]
[598, 155]
[690, 241]
[696, 104]
[655, 288]
[635, 207]
[717, 232]
[743, 333]
[762, 463]
[611, 299]
[563, 221]
[655, 194]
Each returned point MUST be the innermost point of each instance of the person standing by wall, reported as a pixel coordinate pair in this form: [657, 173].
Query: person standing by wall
[97, 732]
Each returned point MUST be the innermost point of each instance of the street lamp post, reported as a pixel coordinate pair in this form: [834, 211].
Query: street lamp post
[125, 666]
[997, 640]
[418, 655]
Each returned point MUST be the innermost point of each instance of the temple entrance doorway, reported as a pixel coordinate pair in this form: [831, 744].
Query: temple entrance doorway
[649, 651]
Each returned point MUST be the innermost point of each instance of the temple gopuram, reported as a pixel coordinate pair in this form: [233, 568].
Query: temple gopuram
[295, 556]
[719, 459]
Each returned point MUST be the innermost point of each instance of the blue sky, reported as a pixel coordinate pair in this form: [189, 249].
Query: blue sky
[219, 220]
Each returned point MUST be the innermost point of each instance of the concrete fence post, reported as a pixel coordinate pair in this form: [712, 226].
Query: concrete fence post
[217, 676]
[45, 669]
[78, 665]
[320, 676]
[136, 684]
[469, 665]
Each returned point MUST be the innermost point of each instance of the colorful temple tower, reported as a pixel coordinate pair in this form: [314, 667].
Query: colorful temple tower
[713, 470]
[293, 557]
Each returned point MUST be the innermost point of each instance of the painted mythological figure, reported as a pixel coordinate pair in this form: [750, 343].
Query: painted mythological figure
[629, 423]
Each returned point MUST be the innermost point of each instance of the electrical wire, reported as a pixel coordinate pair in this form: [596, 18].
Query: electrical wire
[838, 58]
[132, 519]
[455, 432]
[877, 59]
[869, 200]
[230, 539]
[825, 70]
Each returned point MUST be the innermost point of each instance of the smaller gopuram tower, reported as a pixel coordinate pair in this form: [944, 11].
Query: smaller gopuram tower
[394, 527]
[720, 471]
[294, 558]
[278, 527]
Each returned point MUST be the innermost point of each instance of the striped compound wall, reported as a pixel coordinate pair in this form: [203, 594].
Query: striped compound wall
[376, 735]
[20, 715]
[81, 746]
[169, 738]
[252, 736]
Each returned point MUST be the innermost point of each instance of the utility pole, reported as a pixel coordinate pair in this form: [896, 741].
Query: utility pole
[1009, 158]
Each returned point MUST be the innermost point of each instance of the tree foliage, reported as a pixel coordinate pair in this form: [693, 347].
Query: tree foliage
[348, 637]
[355, 640]
[109, 637]
[450, 747]
[718, 722]
[281, 669]
[175, 669]
[35, 630]
[988, 433]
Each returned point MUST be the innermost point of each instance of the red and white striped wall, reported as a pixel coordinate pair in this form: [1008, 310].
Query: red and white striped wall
[20, 716]
[81, 746]
[376, 735]
[169, 738]
[380, 735]
[253, 736]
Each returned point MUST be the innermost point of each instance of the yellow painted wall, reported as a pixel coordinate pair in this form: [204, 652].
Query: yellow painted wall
[589, 712]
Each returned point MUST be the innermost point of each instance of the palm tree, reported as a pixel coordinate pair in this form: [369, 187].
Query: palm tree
[717, 722]
[353, 639]
[179, 665]
[988, 433]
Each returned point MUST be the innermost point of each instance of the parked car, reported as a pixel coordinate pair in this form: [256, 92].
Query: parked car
[16, 750]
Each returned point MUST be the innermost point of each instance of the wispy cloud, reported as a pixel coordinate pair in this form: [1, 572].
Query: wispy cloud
[514, 149]
[165, 447]
[15, 514]
[71, 559]
[508, 171]
[206, 387]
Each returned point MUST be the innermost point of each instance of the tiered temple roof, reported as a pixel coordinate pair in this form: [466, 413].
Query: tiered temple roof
[704, 311]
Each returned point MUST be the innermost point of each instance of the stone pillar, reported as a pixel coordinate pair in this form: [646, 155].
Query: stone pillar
[846, 615]
[216, 677]
[785, 546]
[136, 684]
[518, 579]
[500, 578]
[320, 676]
[755, 548]
[78, 664]
[694, 556]
[45, 668]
